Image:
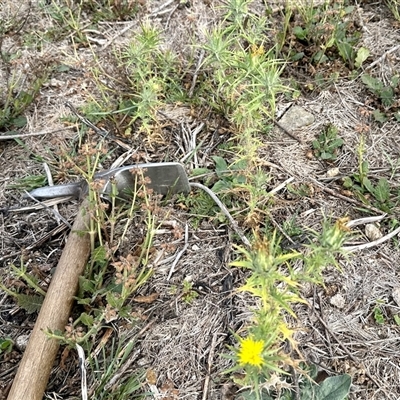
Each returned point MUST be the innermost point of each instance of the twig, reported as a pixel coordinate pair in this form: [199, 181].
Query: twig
[56, 213]
[225, 212]
[196, 73]
[286, 131]
[348, 199]
[281, 186]
[120, 33]
[101, 132]
[158, 11]
[385, 54]
[35, 207]
[171, 14]
[37, 244]
[209, 365]
[180, 254]
[41, 133]
[374, 243]
[367, 220]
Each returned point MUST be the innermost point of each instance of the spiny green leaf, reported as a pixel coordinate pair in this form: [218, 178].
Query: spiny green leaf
[30, 303]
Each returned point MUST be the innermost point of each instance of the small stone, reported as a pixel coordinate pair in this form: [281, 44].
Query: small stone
[195, 247]
[338, 301]
[332, 172]
[296, 117]
[372, 232]
[21, 342]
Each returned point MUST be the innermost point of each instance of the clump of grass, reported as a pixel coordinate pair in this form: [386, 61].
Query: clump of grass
[394, 7]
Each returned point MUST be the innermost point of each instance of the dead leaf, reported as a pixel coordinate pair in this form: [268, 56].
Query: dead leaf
[151, 376]
[146, 299]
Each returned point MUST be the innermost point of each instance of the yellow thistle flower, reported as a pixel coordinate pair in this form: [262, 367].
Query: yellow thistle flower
[250, 352]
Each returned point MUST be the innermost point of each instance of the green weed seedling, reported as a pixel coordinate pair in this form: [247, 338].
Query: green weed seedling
[362, 186]
[6, 345]
[17, 99]
[324, 33]
[188, 294]
[385, 94]
[244, 75]
[328, 143]
[29, 183]
[29, 302]
[379, 316]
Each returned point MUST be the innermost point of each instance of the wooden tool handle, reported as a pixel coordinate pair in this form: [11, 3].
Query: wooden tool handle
[36, 364]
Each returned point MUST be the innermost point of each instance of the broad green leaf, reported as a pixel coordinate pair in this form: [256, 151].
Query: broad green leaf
[6, 345]
[348, 9]
[220, 165]
[221, 186]
[362, 55]
[382, 191]
[346, 51]
[327, 156]
[394, 81]
[99, 255]
[336, 143]
[387, 96]
[299, 32]
[334, 388]
[298, 56]
[200, 171]
[347, 182]
[364, 168]
[19, 121]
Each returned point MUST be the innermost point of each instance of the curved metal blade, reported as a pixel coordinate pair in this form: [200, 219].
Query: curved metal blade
[164, 178]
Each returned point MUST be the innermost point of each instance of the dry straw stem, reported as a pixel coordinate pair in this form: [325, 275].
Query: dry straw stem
[38, 359]
[41, 133]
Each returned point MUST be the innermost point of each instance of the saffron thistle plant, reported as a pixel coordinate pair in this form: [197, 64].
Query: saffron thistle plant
[246, 75]
[277, 285]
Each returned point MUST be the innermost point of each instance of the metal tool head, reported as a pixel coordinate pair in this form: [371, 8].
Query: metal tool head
[163, 178]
